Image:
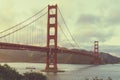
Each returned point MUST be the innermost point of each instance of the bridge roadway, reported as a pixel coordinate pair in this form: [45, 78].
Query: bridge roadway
[13, 46]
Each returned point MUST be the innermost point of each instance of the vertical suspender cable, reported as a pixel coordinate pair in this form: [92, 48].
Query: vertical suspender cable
[68, 28]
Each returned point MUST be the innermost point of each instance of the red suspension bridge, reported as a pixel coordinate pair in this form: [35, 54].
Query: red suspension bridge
[12, 37]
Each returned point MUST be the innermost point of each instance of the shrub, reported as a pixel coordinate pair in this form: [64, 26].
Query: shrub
[96, 78]
[34, 76]
[8, 73]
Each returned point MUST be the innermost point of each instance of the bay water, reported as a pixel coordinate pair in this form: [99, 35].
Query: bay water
[72, 71]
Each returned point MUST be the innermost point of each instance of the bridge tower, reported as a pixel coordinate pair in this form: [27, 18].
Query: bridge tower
[51, 60]
[96, 52]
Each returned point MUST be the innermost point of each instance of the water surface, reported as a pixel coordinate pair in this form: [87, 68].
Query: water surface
[72, 72]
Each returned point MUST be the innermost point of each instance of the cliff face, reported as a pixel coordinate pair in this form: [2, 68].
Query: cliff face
[34, 56]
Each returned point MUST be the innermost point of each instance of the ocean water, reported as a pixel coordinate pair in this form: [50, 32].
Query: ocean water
[72, 71]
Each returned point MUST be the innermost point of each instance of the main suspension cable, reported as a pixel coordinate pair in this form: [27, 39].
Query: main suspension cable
[68, 28]
[65, 35]
[22, 21]
[23, 26]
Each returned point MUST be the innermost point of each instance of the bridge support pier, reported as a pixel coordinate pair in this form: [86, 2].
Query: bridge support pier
[51, 62]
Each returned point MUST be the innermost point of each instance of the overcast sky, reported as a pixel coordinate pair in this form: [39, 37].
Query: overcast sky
[87, 20]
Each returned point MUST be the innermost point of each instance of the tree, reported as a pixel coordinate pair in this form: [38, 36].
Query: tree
[8, 73]
[34, 76]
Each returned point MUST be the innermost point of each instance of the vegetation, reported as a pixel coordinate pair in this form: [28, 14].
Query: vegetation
[8, 73]
[96, 78]
[34, 76]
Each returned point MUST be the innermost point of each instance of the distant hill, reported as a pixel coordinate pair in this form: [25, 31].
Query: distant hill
[110, 59]
[39, 57]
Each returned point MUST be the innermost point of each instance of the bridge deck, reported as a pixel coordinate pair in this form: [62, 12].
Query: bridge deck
[13, 46]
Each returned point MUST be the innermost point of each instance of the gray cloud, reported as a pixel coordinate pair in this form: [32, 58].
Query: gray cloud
[97, 28]
[114, 19]
[88, 19]
[101, 36]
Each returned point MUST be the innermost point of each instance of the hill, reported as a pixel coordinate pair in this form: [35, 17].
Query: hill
[39, 57]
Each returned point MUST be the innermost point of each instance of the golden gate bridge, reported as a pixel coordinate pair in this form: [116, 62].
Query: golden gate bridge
[9, 38]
